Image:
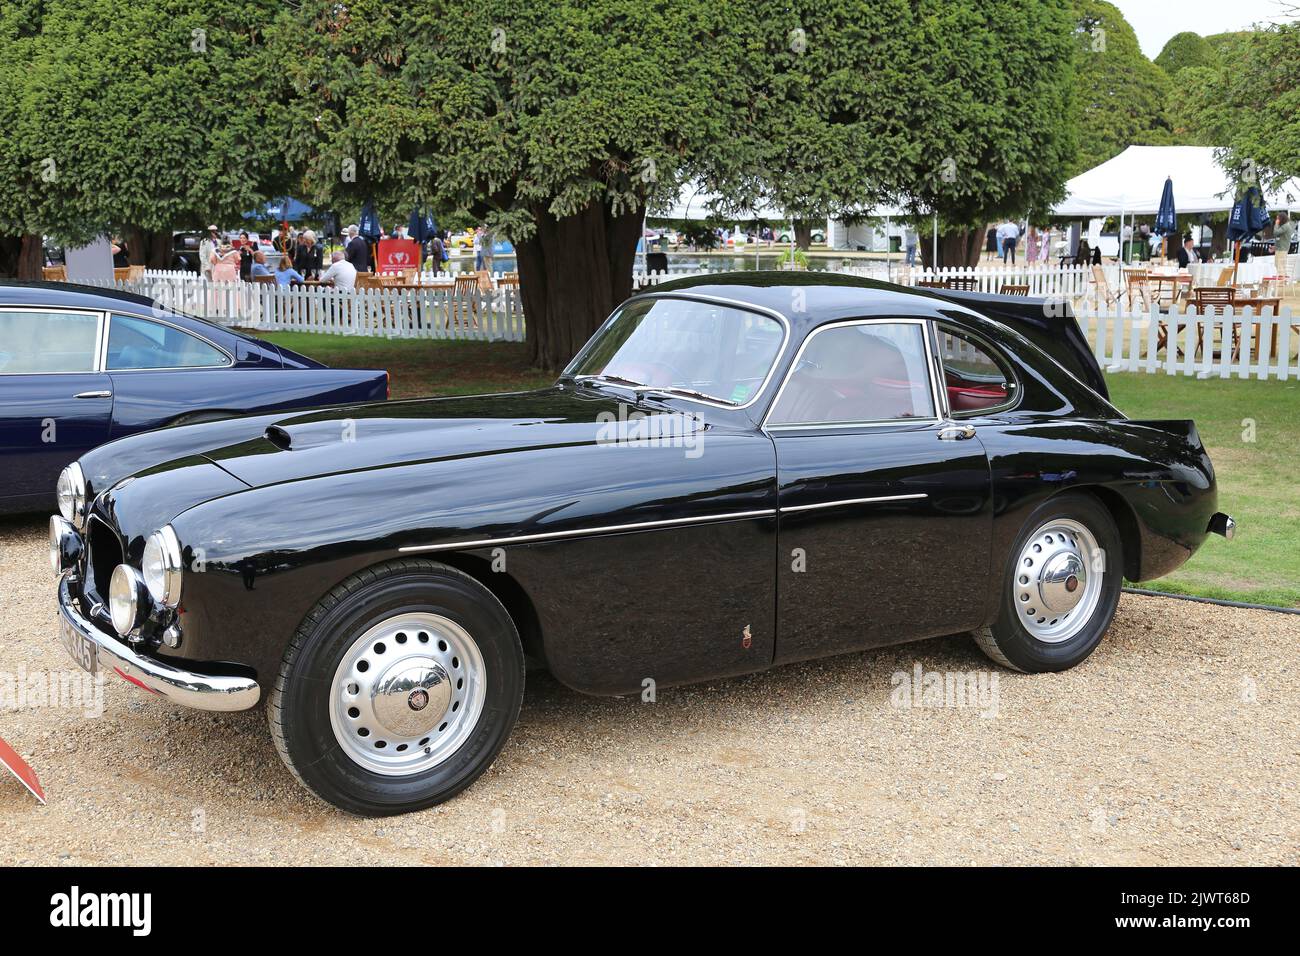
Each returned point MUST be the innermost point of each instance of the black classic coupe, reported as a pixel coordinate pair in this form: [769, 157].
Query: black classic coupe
[736, 471]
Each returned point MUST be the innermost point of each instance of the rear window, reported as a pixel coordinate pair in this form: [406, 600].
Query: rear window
[38, 342]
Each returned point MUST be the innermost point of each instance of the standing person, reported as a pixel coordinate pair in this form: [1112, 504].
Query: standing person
[341, 274]
[1009, 233]
[1126, 242]
[357, 250]
[1032, 245]
[478, 248]
[207, 247]
[437, 252]
[488, 241]
[1284, 231]
[910, 242]
[225, 264]
[307, 257]
[245, 256]
[992, 245]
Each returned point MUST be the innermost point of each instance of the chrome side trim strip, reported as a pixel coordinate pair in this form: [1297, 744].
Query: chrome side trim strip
[579, 532]
[851, 501]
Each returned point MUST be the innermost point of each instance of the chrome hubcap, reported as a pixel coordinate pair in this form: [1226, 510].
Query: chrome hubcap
[1058, 580]
[407, 694]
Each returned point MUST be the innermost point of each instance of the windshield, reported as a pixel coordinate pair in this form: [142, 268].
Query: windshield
[695, 348]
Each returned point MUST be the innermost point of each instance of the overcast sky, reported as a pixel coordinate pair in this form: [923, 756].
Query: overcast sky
[1155, 21]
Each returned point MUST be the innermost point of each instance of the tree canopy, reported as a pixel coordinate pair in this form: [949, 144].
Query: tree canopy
[1120, 95]
[1184, 50]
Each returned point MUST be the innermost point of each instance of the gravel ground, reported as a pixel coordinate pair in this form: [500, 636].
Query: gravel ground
[1175, 743]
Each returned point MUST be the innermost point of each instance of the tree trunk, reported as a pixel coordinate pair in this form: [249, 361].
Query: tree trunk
[572, 273]
[147, 248]
[21, 257]
[803, 233]
[957, 249]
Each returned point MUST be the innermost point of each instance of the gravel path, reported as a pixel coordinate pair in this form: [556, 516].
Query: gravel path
[1175, 743]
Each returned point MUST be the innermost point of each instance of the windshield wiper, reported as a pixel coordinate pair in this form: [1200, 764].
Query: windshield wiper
[612, 379]
[691, 393]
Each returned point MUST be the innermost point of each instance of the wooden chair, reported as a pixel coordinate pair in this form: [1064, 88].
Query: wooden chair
[930, 284]
[122, 274]
[464, 296]
[368, 280]
[1013, 290]
[1135, 281]
[964, 283]
[264, 280]
[1101, 288]
[510, 279]
[1207, 301]
[1225, 277]
[54, 273]
[484, 279]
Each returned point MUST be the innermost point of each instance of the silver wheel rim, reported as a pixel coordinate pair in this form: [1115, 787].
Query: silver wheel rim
[407, 694]
[1058, 580]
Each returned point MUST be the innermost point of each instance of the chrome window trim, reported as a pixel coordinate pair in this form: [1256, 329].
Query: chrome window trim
[926, 327]
[1015, 391]
[580, 532]
[230, 359]
[715, 300]
[101, 334]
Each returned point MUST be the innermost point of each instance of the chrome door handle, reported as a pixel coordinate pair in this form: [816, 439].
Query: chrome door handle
[956, 432]
[103, 394]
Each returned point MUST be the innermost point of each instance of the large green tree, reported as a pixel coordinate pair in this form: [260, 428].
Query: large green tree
[1120, 95]
[20, 231]
[149, 115]
[553, 122]
[1184, 50]
[1249, 103]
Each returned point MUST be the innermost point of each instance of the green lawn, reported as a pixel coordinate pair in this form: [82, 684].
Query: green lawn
[1259, 480]
[424, 366]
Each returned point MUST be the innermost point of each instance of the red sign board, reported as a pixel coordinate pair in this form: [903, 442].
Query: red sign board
[398, 254]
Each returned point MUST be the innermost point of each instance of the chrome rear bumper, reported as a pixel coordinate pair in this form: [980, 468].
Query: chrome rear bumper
[200, 691]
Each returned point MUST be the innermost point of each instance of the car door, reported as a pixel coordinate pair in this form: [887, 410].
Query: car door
[55, 400]
[161, 371]
[884, 503]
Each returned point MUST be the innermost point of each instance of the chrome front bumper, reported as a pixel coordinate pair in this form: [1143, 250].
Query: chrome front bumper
[200, 691]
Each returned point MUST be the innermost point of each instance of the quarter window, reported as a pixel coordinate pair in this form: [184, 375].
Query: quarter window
[42, 342]
[976, 382]
[135, 343]
[874, 372]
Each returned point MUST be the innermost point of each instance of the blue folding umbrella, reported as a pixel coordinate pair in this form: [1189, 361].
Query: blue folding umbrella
[1166, 216]
[1249, 215]
[422, 226]
[368, 224]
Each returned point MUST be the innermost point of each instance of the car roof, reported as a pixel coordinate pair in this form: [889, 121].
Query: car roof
[70, 295]
[809, 298]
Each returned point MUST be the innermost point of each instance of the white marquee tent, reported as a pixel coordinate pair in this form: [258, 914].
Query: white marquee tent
[1131, 184]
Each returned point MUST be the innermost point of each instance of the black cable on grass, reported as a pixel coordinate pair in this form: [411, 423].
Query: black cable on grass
[1206, 600]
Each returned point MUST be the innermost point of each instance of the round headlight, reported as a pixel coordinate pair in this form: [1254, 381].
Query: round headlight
[161, 567]
[71, 492]
[65, 544]
[127, 599]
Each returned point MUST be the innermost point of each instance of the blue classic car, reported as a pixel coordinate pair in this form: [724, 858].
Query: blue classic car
[80, 366]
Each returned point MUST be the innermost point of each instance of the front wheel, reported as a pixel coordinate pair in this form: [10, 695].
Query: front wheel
[399, 689]
[1059, 588]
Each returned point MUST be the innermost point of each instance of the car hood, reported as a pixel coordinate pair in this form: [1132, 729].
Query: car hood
[390, 434]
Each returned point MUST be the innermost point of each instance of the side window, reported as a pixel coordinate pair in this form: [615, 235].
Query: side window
[875, 372]
[976, 382]
[38, 342]
[135, 343]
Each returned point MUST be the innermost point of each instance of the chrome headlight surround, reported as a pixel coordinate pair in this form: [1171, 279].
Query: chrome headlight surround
[71, 493]
[128, 599]
[161, 567]
[65, 544]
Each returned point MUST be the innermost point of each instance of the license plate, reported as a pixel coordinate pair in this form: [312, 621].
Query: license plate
[83, 650]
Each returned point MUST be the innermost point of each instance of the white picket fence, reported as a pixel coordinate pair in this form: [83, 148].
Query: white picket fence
[1221, 344]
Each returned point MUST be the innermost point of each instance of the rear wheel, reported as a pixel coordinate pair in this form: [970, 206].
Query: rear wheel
[399, 689]
[1060, 587]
